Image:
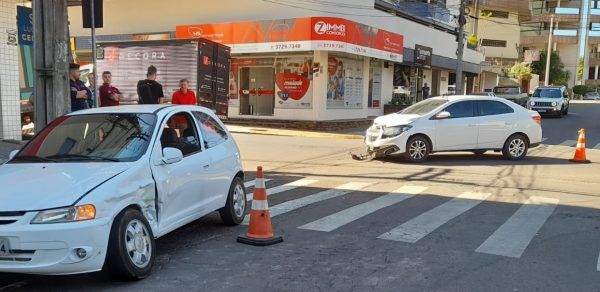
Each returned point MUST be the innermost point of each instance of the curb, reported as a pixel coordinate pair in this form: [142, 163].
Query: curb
[289, 133]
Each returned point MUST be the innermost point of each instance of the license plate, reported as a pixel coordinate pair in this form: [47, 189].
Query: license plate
[541, 111]
[4, 247]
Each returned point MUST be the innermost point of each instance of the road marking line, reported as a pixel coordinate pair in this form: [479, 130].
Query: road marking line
[251, 183]
[597, 146]
[315, 198]
[569, 143]
[286, 187]
[544, 140]
[513, 237]
[597, 265]
[346, 216]
[420, 226]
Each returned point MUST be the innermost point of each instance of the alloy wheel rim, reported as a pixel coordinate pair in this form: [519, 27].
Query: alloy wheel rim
[239, 201]
[417, 149]
[516, 147]
[138, 243]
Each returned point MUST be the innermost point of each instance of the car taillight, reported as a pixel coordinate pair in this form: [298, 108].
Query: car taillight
[537, 119]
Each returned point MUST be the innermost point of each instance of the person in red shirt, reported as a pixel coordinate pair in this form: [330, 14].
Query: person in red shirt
[184, 95]
[109, 95]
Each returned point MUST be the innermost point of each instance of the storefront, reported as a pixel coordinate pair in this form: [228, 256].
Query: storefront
[313, 69]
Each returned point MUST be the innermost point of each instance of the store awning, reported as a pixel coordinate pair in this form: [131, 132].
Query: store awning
[300, 34]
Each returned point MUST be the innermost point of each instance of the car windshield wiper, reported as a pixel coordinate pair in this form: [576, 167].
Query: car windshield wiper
[83, 157]
[32, 158]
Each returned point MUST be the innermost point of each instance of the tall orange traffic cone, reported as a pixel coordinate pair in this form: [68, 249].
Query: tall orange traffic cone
[580, 150]
[260, 231]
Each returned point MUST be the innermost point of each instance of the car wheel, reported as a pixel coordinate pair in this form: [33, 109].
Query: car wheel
[561, 113]
[417, 149]
[567, 111]
[235, 209]
[131, 246]
[515, 148]
[479, 152]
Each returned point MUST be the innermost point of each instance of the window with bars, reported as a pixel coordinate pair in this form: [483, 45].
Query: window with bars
[493, 43]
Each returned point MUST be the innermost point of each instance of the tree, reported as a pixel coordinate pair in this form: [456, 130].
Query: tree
[558, 76]
[521, 72]
[580, 71]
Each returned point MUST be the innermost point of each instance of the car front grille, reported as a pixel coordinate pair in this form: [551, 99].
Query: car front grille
[543, 104]
[10, 217]
[18, 255]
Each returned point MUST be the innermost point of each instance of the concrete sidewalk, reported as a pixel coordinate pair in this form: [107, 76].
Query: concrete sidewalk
[344, 134]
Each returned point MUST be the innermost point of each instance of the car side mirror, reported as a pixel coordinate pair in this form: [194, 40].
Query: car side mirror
[172, 155]
[13, 154]
[442, 115]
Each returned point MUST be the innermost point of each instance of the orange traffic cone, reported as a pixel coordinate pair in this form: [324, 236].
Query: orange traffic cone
[260, 231]
[580, 150]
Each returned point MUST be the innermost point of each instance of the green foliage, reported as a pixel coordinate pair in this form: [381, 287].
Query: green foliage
[558, 76]
[582, 89]
[520, 71]
[580, 70]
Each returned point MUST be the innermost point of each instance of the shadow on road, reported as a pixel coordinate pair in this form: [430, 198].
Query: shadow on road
[491, 159]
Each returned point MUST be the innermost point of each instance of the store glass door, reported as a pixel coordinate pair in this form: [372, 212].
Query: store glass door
[257, 91]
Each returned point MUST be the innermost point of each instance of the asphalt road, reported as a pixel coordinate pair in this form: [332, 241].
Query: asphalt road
[563, 131]
[458, 222]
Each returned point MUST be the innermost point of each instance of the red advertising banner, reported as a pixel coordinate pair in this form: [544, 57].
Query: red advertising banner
[300, 34]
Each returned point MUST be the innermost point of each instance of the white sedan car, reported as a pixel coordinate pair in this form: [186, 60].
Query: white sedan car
[456, 123]
[96, 187]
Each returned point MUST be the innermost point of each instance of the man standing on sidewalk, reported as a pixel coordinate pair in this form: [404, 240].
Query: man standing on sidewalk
[109, 95]
[149, 91]
[80, 94]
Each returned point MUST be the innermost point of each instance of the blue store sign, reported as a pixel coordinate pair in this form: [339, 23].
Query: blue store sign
[25, 25]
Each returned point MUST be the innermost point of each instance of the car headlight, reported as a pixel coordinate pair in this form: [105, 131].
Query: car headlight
[389, 132]
[554, 103]
[532, 103]
[67, 214]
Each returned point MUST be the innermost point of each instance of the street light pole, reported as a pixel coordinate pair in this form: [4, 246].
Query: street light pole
[461, 46]
[549, 52]
[93, 20]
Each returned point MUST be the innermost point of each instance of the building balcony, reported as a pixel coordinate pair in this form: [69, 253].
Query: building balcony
[560, 36]
[594, 15]
[561, 14]
[593, 37]
[594, 59]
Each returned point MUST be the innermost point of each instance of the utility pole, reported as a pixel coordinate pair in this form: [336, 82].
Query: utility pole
[549, 52]
[94, 56]
[51, 49]
[462, 20]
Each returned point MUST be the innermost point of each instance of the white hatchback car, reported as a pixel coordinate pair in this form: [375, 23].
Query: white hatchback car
[456, 123]
[95, 188]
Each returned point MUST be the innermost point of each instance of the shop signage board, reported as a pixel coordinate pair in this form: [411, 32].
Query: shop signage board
[345, 83]
[25, 25]
[423, 56]
[300, 34]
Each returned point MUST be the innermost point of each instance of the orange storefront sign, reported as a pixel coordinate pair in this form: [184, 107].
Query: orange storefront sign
[300, 34]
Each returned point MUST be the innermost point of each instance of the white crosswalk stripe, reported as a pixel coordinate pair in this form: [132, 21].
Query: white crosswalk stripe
[597, 147]
[250, 184]
[286, 187]
[346, 216]
[318, 197]
[513, 237]
[569, 143]
[420, 226]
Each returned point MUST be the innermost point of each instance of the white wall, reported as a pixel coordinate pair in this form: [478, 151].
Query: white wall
[489, 80]
[569, 55]
[444, 83]
[159, 16]
[10, 111]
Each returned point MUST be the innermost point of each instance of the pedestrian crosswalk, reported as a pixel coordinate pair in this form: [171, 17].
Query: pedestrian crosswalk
[509, 239]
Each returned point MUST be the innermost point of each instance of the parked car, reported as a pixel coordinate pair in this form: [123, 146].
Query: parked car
[456, 123]
[553, 100]
[490, 94]
[512, 93]
[591, 96]
[96, 187]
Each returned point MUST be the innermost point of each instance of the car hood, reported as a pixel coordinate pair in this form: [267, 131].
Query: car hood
[396, 119]
[545, 99]
[36, 186]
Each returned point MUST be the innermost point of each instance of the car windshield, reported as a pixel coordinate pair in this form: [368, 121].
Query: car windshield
[506, 90]
[424, 107]
[95, 137]
[547, 93]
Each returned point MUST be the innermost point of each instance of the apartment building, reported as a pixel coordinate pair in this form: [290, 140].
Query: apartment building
[566, 17]
[591, 73]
